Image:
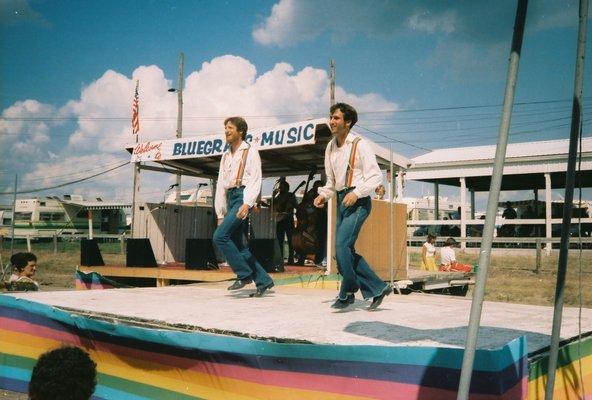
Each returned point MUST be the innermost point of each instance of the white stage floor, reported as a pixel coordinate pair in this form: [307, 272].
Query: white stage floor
[289, 313]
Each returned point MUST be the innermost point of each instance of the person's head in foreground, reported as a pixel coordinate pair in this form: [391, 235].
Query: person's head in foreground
[66, 373]
[25, 264]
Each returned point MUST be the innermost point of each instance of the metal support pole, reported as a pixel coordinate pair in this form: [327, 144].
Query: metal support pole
[576, 118]
[180, 85]
[391, 220]
[13, 216]
[537, 267]
[548, 214]
[436, 201]
[399, 192]
[90, 225]
[472, 193]
[463, 213]
[135, 192]
[494, 191]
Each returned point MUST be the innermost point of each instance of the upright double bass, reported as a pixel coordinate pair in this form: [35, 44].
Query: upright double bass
[306, 238]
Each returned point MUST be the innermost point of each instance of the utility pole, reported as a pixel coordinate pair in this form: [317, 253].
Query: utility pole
[576, 119]
[13, 216]
[332, 81]
[180, 84]
[136, 188]
[494, 191]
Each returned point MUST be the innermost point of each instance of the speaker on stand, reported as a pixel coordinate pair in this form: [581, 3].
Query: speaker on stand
[90, 254]
[139, 254]
[199, 254]
[267, 252]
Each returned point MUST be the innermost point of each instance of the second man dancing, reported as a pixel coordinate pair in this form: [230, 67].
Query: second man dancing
[352, 173]
[239, 184]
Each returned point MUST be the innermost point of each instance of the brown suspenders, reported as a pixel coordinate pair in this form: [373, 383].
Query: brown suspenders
[349, 174]
[241, 168]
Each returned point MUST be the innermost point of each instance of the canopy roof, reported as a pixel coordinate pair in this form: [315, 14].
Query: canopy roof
[96, 205]
[289, 149]
[524, 167]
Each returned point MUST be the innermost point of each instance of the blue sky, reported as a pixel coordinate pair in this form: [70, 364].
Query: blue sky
[67, 70]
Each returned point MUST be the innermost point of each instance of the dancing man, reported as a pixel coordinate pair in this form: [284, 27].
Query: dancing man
[239, 184]
[352, 172]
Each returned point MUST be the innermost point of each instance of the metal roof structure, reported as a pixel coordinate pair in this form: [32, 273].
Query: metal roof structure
[96, 205]
[285, 150]
[525, 165]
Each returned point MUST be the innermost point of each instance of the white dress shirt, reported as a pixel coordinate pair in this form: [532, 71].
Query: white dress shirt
[227, 174]
[447, 255]
[366, 173]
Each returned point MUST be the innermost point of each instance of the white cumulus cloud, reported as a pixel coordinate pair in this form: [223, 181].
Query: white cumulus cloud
[100, 119]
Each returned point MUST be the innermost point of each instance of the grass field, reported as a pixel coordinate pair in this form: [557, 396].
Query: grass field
[511, 275]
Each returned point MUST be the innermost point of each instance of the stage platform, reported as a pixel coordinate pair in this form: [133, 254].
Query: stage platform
[301, 276]
[202, 341]
[164, 274]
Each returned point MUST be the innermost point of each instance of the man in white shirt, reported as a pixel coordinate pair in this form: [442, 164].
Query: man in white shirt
[239, 184]
[353, 174]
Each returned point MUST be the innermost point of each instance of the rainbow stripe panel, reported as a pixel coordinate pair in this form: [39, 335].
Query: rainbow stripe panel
[140, 363]
[94, 280]
[573, 379]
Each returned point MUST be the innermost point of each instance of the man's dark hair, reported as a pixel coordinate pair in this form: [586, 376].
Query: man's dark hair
[431, 236]
[240, 123]
[20, 260]
[349, 113]
[67, 373]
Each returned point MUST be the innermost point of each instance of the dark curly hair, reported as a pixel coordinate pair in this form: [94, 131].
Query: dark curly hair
[66, 373]
[349, 113]
[20, 260]
[240, 123]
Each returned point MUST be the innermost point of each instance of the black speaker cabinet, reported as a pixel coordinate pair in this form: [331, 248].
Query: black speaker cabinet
[199, 254]
[90, 255]
[139, 253]
[267, 252]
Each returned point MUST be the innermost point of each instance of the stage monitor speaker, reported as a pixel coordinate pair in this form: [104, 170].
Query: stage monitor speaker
[90, 255]
[139, 253]
[199, 254]
[267, 252]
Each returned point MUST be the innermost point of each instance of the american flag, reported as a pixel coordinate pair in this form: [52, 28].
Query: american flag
[136, 111]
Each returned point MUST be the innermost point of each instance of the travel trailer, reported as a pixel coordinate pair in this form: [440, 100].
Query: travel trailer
[423, 209]
[199, 197]
[46, 216]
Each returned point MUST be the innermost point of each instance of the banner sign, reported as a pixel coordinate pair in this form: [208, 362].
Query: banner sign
[287, 135]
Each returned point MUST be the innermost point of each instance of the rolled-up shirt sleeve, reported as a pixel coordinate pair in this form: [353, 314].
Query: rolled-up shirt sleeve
[252, 178]
[220, 200]
[370, 171]
[328, 190]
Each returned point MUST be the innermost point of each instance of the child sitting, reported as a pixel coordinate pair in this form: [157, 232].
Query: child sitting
[448, 261]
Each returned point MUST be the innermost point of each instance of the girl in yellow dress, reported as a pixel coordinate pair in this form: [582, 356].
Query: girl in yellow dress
[428, 254]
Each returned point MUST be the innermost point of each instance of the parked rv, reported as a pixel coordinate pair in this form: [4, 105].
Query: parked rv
[47, 216]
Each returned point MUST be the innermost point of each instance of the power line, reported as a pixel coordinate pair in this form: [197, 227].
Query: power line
[77, 172]
[308, 114]
[393, 140]
[67, 183]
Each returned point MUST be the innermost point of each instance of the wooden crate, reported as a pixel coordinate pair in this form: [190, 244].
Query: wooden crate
[374, 240]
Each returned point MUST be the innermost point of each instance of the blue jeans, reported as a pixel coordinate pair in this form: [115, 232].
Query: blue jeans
[355, 271]
[230, 240]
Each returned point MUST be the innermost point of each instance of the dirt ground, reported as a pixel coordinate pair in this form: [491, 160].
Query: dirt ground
[8, 395]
